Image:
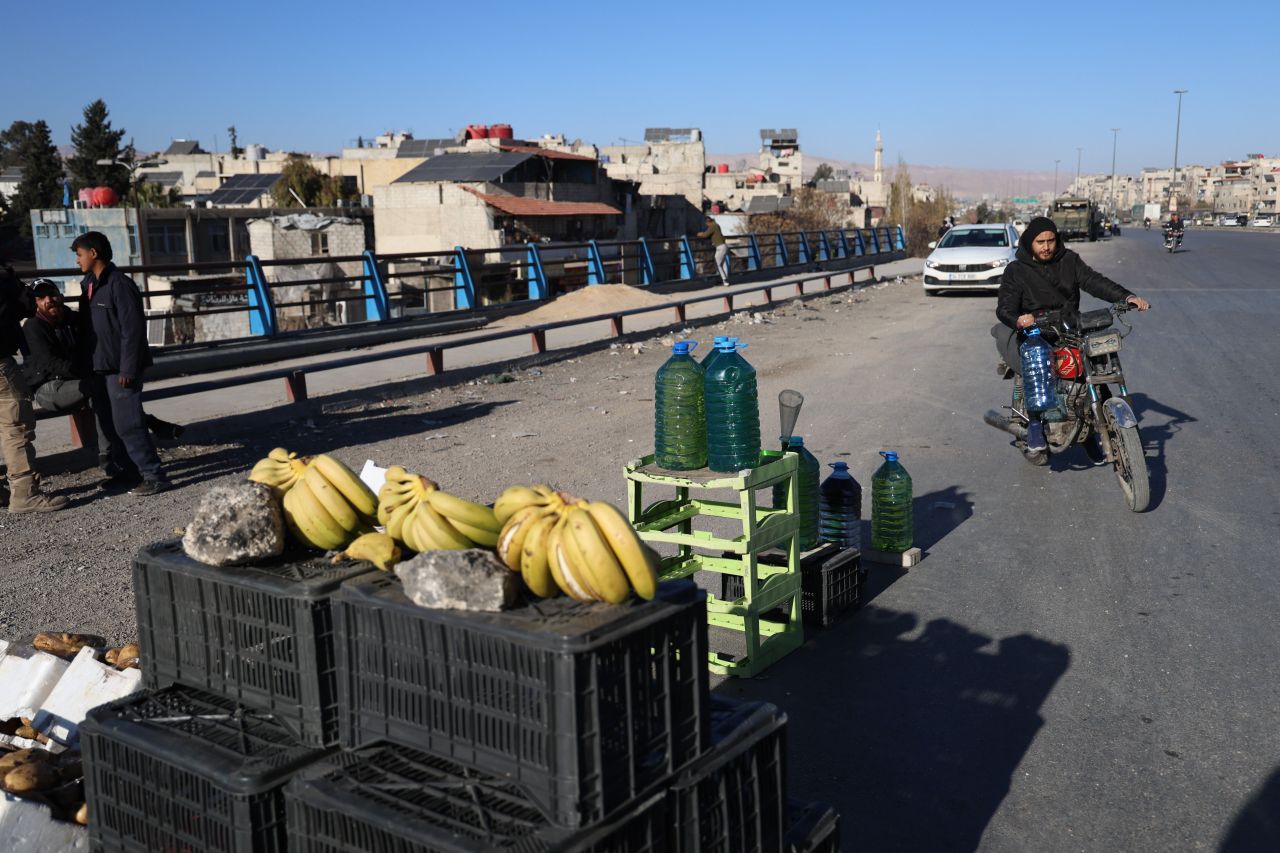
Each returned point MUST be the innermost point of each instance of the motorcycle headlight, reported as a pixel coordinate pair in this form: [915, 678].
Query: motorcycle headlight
[930, 263]
[1002, 262]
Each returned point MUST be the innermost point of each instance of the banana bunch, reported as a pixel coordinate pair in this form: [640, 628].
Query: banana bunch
[328, 506]
[443, 522]
[399, 497]
[280, 470]
[586, 549]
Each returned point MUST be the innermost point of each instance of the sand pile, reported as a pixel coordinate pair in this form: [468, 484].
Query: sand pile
[586, 302]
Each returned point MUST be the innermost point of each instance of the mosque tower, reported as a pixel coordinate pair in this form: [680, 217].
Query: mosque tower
[879, 158]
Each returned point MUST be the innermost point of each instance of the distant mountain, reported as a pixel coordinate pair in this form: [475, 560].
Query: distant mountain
[963, 183]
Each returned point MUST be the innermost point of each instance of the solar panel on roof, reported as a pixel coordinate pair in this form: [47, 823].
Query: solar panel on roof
[464, 167]
[422, 147]
[243, 189]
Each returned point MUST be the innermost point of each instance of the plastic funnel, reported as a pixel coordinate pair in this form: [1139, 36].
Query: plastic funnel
[789, 403]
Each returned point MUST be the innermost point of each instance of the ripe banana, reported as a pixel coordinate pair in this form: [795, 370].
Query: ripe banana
[456, 509]
[516, 531]
[431, 531]
[329, 497]
[535, 567]
[399, 489]
[310, 523]
[593, 559]
[632, 554]
[360, 496]
[558, 557]
[280, 470]
[377, 548]
[516, 498]
[395, 522]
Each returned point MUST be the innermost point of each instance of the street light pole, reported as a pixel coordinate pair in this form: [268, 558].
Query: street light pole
[1079, 154]
[1055, 177]
[1177, 134]
[1115, 134]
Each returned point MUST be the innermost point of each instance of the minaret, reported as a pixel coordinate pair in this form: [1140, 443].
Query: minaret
[879, 158]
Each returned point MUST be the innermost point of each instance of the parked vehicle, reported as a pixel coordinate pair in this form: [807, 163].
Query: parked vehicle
[970, 257]
[1151, 211]
[1228, 220]
[1093, 406]
[1261, 222]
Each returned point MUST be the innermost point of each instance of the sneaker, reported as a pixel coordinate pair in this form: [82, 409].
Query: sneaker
[1035, 437]
[151, 487]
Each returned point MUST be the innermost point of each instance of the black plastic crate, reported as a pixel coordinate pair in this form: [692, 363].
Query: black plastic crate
[584, 705]
[182, 770]
[395, 799]
[829, 586]
[261, 635]
[733, 800]
[813, 828]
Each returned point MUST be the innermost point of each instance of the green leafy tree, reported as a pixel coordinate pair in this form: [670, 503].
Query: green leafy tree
[96, 140]
[236, 150]
[41, 184]
[824, 172]
[12, 141]
[151, 194]
[315, 189]
[920, 219]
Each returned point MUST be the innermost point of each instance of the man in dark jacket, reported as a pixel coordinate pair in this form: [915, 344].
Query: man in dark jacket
[1045, 276]
[17, 418]
[58, 365]
[117, 329]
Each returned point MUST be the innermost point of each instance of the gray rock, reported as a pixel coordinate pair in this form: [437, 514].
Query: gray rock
[234, 525]
[473, 579]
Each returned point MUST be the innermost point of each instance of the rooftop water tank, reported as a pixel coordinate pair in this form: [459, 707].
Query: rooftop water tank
[501, 131]
[477, 131]
[254, 151]
[723, 168]
[104, 197]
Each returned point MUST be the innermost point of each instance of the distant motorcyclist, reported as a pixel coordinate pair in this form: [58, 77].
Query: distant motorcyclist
[1146, 223]
[947, 225]
[1175, 225]
[1045, 276]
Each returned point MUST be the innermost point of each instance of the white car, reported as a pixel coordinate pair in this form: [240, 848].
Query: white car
[970, 257]
[1261, 222]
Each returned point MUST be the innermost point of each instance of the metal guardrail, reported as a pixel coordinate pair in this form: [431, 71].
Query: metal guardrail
[279, 298]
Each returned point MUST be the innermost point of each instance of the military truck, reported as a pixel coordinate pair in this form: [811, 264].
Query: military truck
[1076, 218]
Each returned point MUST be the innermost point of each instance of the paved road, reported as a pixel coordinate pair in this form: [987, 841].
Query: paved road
[1059, 673]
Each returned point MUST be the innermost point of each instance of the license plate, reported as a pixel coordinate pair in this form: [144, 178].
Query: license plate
[1101, 343]
[963, 276]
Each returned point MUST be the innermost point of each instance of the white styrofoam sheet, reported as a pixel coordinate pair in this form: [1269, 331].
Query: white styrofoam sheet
[25, 683]
[86, 684]
[27, 826]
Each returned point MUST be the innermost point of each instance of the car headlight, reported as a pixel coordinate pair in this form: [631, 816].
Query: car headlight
[1002, 262]
[930, 263]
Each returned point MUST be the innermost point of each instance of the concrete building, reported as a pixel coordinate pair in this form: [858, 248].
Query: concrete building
[670, 162]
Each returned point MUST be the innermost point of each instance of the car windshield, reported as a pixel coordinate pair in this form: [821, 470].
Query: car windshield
[987, 237]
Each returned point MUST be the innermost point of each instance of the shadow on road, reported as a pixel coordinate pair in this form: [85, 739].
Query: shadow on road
[936, 515]
[1155, 435]
[912, 737]
[1257, 827]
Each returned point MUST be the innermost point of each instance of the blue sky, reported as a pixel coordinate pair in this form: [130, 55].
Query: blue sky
[949, 83]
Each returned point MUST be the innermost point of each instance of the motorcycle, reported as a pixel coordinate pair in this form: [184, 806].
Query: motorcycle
[1172, 239]
[1089, 413]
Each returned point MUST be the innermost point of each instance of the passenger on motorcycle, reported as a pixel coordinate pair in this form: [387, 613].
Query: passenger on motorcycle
[1045, 276]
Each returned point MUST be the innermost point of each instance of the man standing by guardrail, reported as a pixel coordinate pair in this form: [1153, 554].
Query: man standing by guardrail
[117, 327]
[17, 418]
[722, 248]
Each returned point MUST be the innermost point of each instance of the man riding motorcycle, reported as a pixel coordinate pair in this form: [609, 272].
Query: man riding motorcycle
[1046, 276]
[1173, 230]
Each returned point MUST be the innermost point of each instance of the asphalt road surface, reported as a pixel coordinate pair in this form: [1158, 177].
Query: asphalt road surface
[1060, 673]
[1057, 674]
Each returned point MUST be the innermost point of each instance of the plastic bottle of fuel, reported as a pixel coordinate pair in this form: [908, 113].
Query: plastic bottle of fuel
[680, 420]
[1038, 383]
[892, 518]
[709, 358]
[840, 508]
[733, 411]
[807, 492]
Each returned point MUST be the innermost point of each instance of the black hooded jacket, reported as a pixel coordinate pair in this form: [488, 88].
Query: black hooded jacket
[1029, 286]
[16, 304]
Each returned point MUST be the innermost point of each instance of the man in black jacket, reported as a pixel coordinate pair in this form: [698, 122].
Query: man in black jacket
[58, 366]
[117, 329]
[17, 418]
[1046, 276]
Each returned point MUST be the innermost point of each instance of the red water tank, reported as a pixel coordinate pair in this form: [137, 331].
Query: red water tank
[103, 197]
[85, 196]
[715, 208]
[477, 131]
[723, 168]
[501, 131]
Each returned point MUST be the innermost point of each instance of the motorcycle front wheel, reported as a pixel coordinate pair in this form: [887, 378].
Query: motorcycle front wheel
[1130, 465]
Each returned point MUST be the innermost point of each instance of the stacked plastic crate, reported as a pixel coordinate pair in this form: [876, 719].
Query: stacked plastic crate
[308, 707]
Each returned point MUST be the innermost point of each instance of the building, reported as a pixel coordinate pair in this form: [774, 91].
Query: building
[670, 162]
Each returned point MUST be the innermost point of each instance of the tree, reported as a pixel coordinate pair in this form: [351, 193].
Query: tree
[12, 142]
[236, 150]
[308, 184]
[41, 184]
[920, 219]
[96, 140]
[811, 210]
[151, 194]
[824, 172]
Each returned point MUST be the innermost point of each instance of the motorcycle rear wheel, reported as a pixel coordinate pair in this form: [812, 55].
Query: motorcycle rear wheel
[1130, 465]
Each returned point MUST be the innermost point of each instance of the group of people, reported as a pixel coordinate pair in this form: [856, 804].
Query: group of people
[96, 357]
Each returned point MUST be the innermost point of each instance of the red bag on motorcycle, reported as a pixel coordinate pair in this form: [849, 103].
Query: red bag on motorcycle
[1067, 363]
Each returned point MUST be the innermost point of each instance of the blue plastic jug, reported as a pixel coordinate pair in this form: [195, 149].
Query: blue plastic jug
[1038, 383]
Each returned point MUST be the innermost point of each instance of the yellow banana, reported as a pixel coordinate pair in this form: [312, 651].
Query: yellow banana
[597, 564]
[559, 559]
[377, 548]
[310, 522]
[329, 497]
[512, 538]
[457, 509]
[534, 552]
[480, 536]
[395, 523]
[517, 498]
[630, 550]
[434, 532]
[280, 470]
[360, 496]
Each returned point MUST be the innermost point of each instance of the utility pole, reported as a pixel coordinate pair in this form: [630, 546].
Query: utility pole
[1115, 134]
[1177, 134]
[1055, 177]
